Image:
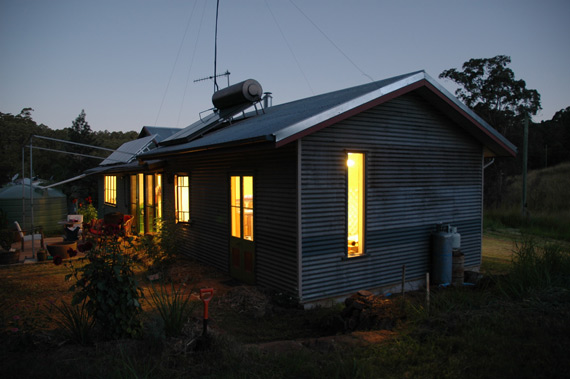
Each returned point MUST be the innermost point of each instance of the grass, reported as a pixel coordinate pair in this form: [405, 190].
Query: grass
[470, 332]
[548, 205]
[553, 224]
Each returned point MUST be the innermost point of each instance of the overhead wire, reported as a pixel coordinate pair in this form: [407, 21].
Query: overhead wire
[289, 47]
[331, 41]
[191, 61]
[174, 65]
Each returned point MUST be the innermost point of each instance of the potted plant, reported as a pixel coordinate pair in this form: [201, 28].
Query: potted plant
[88, 211]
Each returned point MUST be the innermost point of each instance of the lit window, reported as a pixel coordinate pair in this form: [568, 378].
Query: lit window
[158, 195]
[110, 190]
[242, 207]
[182, 194]
[355, 204]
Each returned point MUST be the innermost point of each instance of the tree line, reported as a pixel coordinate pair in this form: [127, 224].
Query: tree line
[49, 165]
[486, 85]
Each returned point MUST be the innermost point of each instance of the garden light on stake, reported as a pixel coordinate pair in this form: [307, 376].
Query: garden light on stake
[206, 295]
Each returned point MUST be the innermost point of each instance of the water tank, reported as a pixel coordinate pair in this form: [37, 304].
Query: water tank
[248, 91]
[442, 254]
[50, 206]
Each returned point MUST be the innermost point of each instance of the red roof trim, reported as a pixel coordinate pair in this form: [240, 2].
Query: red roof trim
[350, 113]
[388, 97]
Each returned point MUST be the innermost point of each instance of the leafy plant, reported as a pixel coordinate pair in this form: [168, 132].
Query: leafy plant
[109, 289]
[77, 323]
[158, 251]
[88, 211]
[175, 308]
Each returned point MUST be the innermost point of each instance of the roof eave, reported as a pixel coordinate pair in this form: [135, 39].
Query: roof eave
[489, 137]
[166, 151]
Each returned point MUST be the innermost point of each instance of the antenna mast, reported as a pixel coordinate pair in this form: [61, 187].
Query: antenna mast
[216, 48]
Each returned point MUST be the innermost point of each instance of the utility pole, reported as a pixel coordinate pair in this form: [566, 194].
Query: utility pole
[525, 164]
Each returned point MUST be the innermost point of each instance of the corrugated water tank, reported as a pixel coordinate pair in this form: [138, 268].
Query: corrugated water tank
[50, 206]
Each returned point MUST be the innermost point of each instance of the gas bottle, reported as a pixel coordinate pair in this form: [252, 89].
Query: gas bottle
[442, 254]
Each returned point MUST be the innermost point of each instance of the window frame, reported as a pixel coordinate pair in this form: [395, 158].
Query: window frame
[362, 251]
[242, 208]
[110, 190]
[177, 195]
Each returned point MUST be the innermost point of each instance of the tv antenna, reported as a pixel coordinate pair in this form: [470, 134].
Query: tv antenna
[226, 74]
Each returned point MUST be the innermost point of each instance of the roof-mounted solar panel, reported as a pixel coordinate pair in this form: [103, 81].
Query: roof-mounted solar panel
[229, 102]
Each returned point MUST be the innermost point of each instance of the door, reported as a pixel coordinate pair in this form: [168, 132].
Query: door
[242, 245]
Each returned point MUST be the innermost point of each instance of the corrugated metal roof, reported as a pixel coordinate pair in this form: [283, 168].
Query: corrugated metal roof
[128, 151]
[285, 123]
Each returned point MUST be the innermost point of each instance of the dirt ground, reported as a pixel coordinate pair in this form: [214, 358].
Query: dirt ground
[27, 293]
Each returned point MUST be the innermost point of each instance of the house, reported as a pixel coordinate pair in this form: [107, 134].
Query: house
[132, 187]
[330, 194]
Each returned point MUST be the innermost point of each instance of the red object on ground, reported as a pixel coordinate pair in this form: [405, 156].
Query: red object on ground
[206, 295]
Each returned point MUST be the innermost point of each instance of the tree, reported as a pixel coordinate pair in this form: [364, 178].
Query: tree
[549, 141]
[16, 132]
[26, 113]
[489, 87]
[80, 130]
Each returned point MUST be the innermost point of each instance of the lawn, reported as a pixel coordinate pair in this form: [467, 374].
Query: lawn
[478, 331]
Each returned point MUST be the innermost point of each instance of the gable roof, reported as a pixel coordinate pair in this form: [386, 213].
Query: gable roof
[285, 123]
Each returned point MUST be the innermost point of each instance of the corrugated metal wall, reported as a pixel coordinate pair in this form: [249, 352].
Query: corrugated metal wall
[421, 169]
[275, 228]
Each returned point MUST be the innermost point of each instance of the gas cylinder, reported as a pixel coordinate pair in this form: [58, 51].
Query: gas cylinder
[442, 254]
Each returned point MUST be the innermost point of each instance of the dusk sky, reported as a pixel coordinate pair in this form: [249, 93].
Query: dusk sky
[132, 63]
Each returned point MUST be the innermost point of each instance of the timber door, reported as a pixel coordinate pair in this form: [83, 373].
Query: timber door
[242, 245]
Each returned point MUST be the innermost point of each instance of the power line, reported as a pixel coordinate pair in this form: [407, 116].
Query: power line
[332, 43]
[174, 65]
[191, 63]
[289, 46]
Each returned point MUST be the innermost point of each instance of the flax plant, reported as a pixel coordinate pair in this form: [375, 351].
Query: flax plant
[175, 307]
[76, 322]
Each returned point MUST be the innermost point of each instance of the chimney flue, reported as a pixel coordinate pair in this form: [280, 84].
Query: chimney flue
[267, 100]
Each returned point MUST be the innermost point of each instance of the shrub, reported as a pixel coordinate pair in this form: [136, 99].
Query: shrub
[536, 267]
[109, 289]
[157, 251]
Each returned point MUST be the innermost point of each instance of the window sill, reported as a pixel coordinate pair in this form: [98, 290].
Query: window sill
[356, 257]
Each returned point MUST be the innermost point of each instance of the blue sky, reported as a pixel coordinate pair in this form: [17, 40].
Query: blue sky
[131, 63]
